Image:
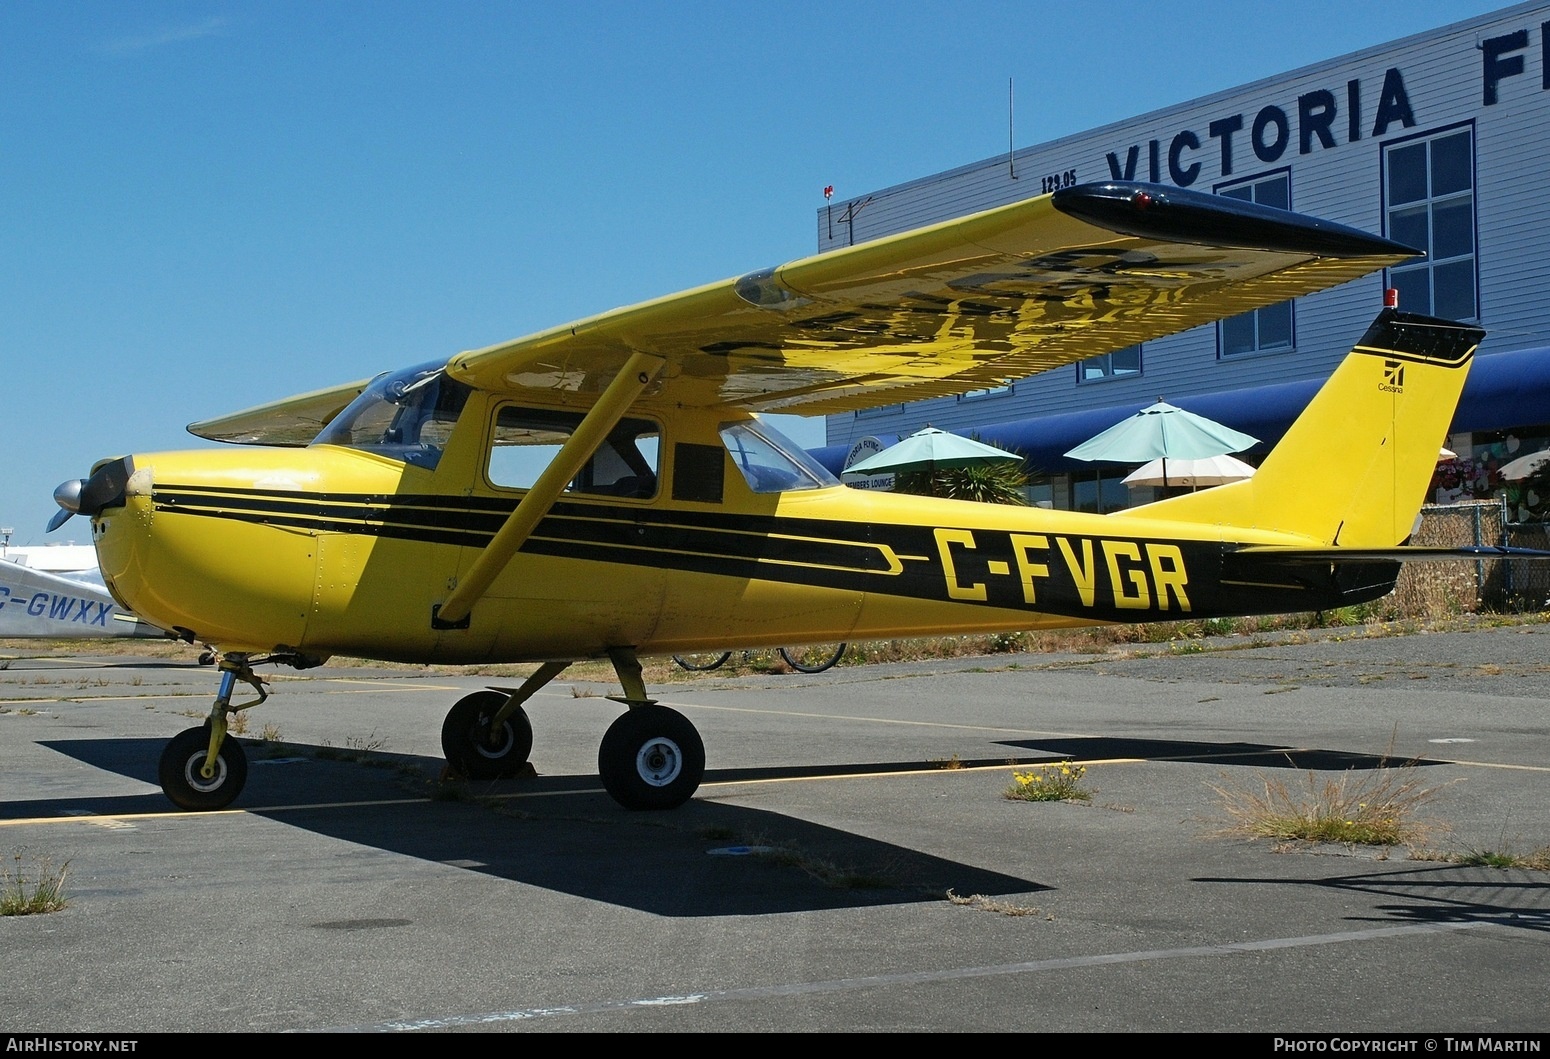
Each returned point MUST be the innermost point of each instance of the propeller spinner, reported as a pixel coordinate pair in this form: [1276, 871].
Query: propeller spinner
[89, 496]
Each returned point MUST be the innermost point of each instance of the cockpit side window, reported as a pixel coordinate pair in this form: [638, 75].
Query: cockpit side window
[407, 415]
[771, 462]
[526, 440]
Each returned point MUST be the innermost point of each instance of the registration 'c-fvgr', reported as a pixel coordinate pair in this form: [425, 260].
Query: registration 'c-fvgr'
[607, 489]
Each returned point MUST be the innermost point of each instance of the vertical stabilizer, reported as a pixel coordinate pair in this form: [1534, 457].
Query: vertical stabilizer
[1354, 468]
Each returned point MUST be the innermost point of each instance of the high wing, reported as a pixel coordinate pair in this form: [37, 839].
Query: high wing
[294, 421]
[942, 310]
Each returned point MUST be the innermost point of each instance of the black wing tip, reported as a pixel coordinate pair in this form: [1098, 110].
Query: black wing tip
[1158, 211]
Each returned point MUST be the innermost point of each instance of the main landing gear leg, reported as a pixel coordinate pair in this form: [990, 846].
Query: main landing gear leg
[651, 757]
[201, 769]
[487, 735]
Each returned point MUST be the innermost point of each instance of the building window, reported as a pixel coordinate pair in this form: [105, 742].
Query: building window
[880, 410]
[1429, 186]
[989, 391]
[1270, 328]
[1116, 365]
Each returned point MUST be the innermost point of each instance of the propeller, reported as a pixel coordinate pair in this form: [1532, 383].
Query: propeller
[90, 496]
[68, 496]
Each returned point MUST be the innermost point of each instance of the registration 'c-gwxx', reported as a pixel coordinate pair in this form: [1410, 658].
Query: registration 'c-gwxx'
[607, 489]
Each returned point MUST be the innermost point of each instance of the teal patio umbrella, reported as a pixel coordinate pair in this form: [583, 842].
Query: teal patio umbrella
[1162, 432]
[931, 450]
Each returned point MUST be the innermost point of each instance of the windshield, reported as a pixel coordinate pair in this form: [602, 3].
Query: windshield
[406, 415]
[771, 462]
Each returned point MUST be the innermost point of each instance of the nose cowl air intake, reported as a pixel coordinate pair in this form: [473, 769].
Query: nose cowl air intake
[91, 496]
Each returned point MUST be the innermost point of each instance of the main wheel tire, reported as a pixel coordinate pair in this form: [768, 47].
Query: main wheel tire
[704, 661]
[813, 659]
[651, 758]
[465, 738]
[184, 757]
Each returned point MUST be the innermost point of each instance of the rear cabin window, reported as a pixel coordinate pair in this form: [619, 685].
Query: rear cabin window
[527, 440]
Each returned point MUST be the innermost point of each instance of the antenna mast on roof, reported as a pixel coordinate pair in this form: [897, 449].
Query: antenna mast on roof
[1011, 156]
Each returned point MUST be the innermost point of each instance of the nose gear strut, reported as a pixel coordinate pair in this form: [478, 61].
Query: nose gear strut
[201, 769]
[234, 667]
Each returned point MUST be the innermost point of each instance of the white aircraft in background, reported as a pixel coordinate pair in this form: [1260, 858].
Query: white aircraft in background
[56, 592]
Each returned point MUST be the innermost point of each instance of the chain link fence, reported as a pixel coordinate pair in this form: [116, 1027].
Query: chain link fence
[1440, 588]
[1526, 582]
[1433, 589]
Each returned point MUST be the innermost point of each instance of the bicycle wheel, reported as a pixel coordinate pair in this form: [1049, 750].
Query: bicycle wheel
[702, 661]
[814, 658]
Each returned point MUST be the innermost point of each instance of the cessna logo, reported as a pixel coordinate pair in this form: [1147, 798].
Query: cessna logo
[1393, 377]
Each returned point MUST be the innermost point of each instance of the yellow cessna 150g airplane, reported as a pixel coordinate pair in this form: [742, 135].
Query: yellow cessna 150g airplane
[404, 518]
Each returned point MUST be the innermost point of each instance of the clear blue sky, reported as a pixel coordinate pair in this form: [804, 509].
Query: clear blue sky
[206, 205]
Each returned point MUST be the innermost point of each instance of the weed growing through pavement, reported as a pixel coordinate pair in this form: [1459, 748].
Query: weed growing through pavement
[25, 894]
[991, 904]
[826, 872]
[366, 744]
[1539, 860]
[1049, 783]
[1378, 807]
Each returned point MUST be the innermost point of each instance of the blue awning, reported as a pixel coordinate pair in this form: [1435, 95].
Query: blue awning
[1504, 391]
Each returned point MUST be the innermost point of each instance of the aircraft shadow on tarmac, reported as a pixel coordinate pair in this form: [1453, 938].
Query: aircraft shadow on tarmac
[704, 858]
[1435, 893]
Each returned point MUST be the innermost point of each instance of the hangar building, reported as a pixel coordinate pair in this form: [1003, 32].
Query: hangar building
[1438, 140]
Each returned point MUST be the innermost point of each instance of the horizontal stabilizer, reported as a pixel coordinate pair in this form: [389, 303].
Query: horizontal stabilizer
[1400, 554]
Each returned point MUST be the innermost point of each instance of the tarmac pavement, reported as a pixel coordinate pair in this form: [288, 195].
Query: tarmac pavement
[849, 864]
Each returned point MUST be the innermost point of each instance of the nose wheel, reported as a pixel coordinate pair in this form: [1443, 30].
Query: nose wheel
[201, 769]
[182, 771]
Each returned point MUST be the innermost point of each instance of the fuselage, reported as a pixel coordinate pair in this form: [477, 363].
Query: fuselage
[334, 549]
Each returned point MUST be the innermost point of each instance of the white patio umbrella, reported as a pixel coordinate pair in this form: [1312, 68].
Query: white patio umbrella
[1525, 466]
[1208, 470]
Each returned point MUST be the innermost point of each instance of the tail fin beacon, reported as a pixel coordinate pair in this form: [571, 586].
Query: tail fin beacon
[1352, 471]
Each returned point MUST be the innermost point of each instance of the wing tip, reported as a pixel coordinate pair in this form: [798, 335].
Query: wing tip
[1157, 211]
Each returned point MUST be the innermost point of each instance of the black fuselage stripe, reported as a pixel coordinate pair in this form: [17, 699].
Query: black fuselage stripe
[1104, 579]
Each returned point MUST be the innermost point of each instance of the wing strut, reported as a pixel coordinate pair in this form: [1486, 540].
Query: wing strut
[611, 405]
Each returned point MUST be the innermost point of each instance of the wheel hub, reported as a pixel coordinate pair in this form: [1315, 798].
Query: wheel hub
[193, 773]
[494, 742]
[659, 762]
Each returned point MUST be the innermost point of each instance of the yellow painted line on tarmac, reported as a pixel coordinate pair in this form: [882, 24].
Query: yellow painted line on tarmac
[1491, 765]
[180, 814]
[1025, 732]
[923, 770]
[382, 683]
[207, 695]
[36, 821]
[96, 663]
[79, 699]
